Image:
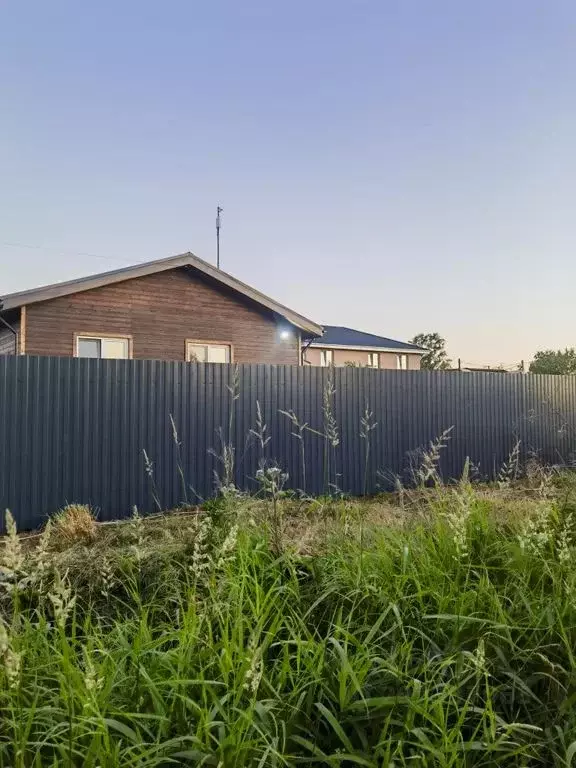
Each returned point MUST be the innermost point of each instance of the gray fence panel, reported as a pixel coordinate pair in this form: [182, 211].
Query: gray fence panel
[74, 430]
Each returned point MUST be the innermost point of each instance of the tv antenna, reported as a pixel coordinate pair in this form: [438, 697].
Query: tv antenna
[218, 225]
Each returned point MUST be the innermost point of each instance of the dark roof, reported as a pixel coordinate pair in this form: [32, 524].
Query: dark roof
[339, 336]
[186, 260]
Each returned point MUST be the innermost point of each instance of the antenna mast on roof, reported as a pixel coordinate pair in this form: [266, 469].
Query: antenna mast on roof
[218, 225]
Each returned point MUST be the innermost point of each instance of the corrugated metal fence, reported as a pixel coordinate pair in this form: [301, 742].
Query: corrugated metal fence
[75, 429]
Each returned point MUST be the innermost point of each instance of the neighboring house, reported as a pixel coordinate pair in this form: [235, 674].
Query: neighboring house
[345, 346]
[180, 308]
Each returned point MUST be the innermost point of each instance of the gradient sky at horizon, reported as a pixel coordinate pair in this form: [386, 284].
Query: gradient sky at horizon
[393, 166]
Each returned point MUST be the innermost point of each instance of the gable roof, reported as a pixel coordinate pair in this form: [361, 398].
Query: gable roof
[348, 338]
[23, 298]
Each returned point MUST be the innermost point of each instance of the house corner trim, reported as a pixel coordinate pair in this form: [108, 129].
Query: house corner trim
[22, 334]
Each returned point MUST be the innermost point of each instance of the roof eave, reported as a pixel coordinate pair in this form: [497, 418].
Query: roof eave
[363, 348]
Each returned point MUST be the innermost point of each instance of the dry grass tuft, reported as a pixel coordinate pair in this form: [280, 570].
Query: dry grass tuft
[74, 524]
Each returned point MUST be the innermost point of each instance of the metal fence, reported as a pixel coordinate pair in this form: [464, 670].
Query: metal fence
[75, 430]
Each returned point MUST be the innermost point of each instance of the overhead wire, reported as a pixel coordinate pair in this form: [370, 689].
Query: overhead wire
[13, 244]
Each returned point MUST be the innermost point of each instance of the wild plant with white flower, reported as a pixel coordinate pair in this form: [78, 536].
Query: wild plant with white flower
[107, 576]
[477, 658]
[228, 546]
[92, 681]
[201, 558]
[255, 669]
[458, 511]
[537, 530]
[12, 577]
[41, 558]
[62, 599]
[565, 539]
[11, 659]
[272, 481]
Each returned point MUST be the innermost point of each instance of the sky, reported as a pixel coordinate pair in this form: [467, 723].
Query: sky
[396, 166]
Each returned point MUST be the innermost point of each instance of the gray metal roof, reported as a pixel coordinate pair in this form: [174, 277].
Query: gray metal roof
[348, 338]
[21, 299]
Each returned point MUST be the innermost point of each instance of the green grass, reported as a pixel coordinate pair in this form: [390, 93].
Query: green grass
[445, 637]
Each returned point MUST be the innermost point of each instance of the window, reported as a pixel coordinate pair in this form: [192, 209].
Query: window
[207, 353]
[111, 348]
[326, 357]
[402, 362]
[373, 360]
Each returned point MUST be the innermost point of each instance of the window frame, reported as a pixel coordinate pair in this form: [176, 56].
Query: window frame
[399, 358]
[371, 357]
[202, 343]
[323, 353]
[102, 337]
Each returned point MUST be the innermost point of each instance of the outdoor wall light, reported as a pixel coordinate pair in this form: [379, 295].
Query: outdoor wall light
[285, 334]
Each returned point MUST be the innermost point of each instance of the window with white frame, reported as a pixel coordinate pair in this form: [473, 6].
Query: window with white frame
[207, 353]
[402, 362]
[326, 357]
[115, 348]
[373, 360]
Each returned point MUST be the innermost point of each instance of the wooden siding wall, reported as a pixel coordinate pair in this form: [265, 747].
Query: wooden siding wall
[6, 336]
[159, 312]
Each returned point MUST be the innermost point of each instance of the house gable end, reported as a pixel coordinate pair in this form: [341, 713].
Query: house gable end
[187, 260]
[159, 313]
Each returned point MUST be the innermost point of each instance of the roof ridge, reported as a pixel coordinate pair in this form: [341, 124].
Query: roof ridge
[107, 272]
[140, 269]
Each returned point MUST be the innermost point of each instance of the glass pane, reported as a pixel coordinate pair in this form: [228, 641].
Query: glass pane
[89, 348]
[218, 354]
[115, 348]
[196, 353]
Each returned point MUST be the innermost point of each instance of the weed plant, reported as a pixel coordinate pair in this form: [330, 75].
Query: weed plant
[445, 640]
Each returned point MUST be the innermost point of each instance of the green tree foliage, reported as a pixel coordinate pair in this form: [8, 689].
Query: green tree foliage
[551, 361]
[436, 359]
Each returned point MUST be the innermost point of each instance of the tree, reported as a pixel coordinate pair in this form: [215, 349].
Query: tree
[550, 361]
[436, 358]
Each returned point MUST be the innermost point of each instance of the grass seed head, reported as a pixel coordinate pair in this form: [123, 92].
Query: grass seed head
[228, 546]
[62, 599]
[12, 556]
[201, 559]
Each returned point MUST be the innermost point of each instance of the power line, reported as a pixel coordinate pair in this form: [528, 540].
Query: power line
[12, 244]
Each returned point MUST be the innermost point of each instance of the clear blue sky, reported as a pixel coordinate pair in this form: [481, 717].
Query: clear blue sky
[390, 165]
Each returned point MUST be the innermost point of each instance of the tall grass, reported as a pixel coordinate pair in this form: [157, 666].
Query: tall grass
[450, 642]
